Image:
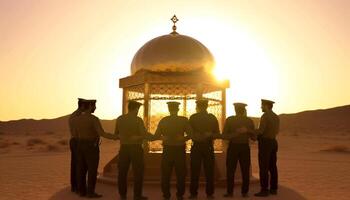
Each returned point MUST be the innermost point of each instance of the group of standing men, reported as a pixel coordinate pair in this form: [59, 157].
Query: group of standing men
[85, 130]
[174, 130]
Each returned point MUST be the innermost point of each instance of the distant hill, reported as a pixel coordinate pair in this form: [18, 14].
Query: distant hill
[315, 121]
[44, 125]
[318, 121]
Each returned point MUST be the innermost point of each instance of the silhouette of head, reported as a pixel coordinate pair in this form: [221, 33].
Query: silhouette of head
[266, 105]
[133, 107]
[89, 106]
[202, 105]
[240, 109]
[173, 107]
[81, 103]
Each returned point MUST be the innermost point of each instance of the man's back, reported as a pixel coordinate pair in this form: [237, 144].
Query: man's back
[204, 122]
[235, 122]
[86, 126]
[172, 128]
[269, 125]
[70, 122]
[129, 125]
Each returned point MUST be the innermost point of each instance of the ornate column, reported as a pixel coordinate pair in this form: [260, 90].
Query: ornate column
[146, 110]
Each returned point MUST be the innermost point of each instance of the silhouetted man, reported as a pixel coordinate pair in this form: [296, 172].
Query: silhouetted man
[238, 130]
[205, 126]
[89, 129]
[172, 130]
[73, 144]
[268, 129]
[131, 131]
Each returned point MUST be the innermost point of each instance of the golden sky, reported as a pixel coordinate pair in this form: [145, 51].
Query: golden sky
[295, 52]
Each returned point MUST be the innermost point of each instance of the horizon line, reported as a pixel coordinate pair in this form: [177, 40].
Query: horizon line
[319, 109]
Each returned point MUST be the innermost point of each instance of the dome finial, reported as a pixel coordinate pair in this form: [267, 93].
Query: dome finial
[174, 19]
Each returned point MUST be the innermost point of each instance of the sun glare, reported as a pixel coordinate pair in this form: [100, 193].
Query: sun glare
[245, 63]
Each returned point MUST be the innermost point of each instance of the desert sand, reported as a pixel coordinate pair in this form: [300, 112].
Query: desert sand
[311, 166]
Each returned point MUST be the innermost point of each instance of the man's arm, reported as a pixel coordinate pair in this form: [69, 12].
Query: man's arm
[251, 131]
[70, 124]
[238, 132]
[230, 132]
[195, 136]
[226, 135]
[262, 126]
[116, 129]
[159, 133]
[144, 133]
[71, 128]
[101, 132]
[216, 129]
[214, 133]
[188, 131]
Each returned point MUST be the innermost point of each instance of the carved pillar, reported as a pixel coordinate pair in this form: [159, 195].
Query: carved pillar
[146, 113]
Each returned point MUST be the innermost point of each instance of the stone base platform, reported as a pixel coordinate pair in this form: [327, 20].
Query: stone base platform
[152, 173]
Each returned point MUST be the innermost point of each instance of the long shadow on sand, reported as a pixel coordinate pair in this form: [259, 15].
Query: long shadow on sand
[154, 193]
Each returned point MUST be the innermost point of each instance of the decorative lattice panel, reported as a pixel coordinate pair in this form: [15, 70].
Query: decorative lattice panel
[173, 90]
[163, 93]
[185, 94]
[215, 108]
[136, 93]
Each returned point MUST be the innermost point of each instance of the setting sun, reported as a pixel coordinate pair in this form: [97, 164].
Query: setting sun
[246, 64]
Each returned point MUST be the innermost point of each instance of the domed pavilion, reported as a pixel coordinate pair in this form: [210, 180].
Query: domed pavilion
[171, 67]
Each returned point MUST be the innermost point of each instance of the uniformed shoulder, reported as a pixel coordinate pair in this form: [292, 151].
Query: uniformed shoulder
[139, 119]
[183, 118]
[93, 117]
[73, 119]
[164, 119]
[194, 115]
[230, 118]
[74, 114]
[264, 115]
[212, 115]
[120, 117]
[274, 114]
[250, 120]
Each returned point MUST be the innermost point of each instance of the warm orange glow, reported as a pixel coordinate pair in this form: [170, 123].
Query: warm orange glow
[248, 67]
[294, 52]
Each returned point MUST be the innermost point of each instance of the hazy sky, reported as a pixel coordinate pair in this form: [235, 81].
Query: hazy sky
[296, 52]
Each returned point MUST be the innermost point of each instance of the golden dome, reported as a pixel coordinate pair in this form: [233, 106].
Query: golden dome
[172, 53]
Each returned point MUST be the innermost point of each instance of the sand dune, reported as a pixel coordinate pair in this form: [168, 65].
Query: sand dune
[47, 126]
[334, 120]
